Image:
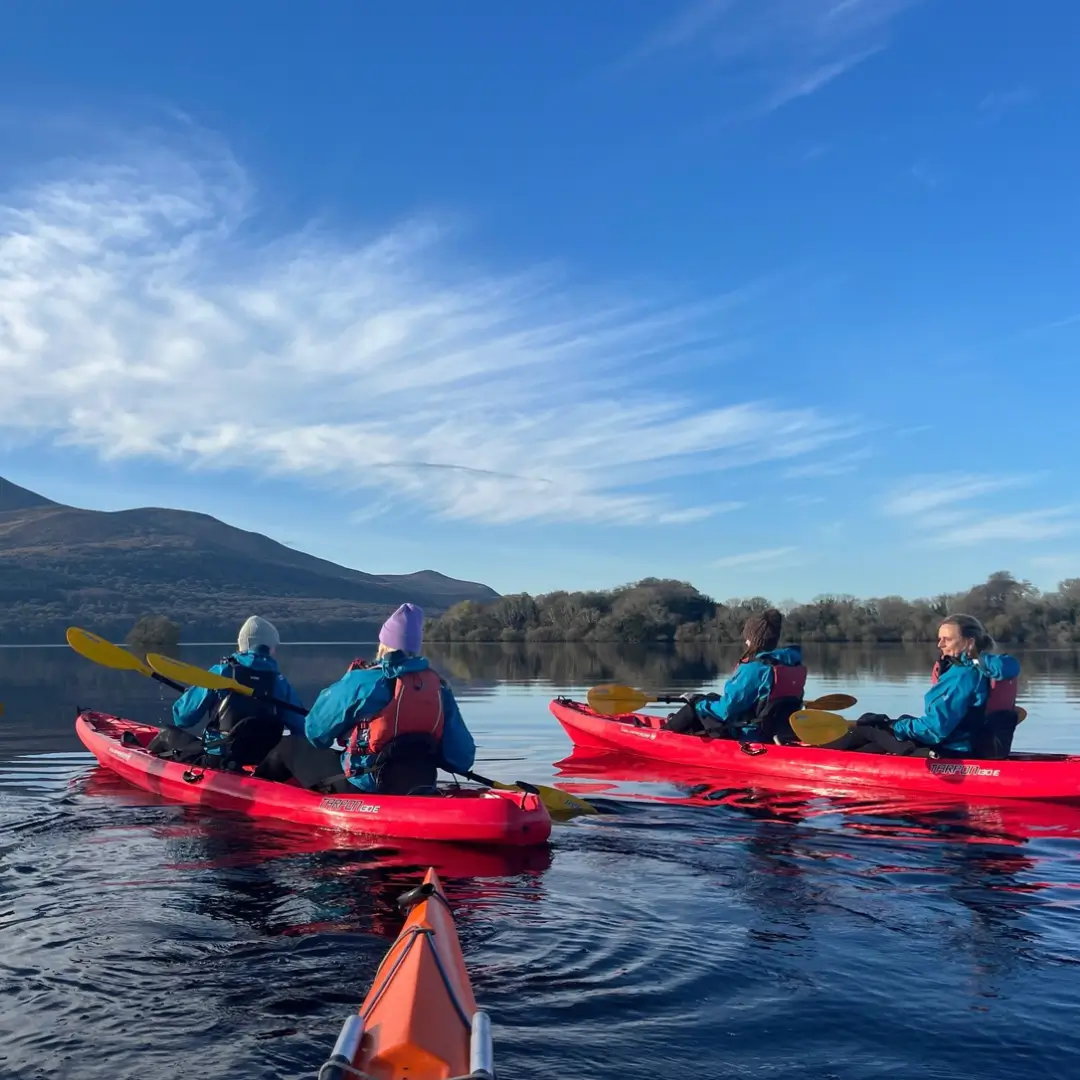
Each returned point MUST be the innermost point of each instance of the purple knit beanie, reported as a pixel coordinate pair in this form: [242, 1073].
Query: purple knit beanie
[404, 629]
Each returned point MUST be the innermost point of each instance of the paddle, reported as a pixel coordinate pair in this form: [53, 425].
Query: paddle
[816, 727]
[557, 802]
[613, 699]
[554, 799]
[113, 656]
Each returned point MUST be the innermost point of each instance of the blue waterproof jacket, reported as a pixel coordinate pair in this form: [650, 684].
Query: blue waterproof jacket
[196, 701]
[748, 689]
[963, 686]
[358, 695]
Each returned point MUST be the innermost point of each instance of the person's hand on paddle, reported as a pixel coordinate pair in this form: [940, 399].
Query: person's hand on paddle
[873, 719]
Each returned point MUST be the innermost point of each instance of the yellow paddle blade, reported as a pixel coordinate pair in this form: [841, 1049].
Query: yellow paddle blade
[611, 699]
[104, 652]
[815, 727]
[1021, 714]
[194, 676]
[561, 803]
[831, 702]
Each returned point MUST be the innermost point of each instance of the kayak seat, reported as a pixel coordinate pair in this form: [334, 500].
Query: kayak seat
[407, 775]
[774, 721]
[993, 738]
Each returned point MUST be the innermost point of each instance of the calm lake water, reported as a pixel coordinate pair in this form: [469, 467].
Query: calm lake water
[742, 934]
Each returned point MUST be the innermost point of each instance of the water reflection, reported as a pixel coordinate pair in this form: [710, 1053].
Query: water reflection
[698, 926]
[195, 840]
[1003, 864]
[897, 816]
[697, 666]
[46, 685]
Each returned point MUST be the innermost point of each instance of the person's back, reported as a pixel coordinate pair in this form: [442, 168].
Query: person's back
[993, 731]
[398, 719]
[399, 747]
[243, 729]
[761, 694]
[240, 730]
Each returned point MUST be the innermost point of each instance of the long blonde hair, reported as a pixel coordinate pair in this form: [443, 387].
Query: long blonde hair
[386, 650]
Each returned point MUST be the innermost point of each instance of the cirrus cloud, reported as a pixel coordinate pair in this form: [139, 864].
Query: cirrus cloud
[777, 50]
[144, 313]
[940, 507]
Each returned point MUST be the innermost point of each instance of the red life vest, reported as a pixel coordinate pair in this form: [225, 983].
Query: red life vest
[1002, 696]
[415, 709]
[789, 681]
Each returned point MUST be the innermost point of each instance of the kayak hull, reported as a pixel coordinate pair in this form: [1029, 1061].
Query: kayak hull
[1054, 777]
[418, 1018]
[459, 815]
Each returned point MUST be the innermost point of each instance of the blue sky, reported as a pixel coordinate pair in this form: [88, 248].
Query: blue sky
[775, 296]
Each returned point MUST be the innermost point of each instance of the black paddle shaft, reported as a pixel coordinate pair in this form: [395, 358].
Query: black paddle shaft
[178, 687]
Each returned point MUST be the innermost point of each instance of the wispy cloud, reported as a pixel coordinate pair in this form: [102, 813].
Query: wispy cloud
[998, 102]
[837, 466]
[763, 557]
[815, 152]
[142, 317]
[921, 494]
[941, 509]
[697, 513]
[777, 50]
[1055, 324]
[1029, 525]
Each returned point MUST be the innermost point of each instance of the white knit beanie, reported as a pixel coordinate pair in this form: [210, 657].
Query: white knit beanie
[255, 632]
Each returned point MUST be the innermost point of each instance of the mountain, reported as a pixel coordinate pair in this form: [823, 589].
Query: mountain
[13, 497]
[62, 566]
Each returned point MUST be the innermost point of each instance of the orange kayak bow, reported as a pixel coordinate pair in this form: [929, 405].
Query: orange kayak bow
[419, 1020]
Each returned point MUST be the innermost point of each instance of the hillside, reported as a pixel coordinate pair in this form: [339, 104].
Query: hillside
[61, 565]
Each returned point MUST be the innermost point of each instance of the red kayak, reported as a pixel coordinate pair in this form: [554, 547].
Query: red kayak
[457, 814]
[1020, 776]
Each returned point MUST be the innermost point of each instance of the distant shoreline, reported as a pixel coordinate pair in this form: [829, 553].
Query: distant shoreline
[661, 610]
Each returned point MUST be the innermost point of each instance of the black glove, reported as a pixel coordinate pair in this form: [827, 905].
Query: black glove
[874, 719]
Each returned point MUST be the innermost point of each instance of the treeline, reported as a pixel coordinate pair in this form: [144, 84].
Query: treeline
[202, 616]
[661, 610]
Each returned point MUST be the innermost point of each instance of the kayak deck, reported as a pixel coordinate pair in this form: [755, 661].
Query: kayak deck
[419, 1020]
[1053, 777]
[464, 815]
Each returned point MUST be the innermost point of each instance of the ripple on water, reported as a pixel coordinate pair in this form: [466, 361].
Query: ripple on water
[687, 930]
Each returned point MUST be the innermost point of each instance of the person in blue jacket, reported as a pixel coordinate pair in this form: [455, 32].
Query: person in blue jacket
[241, 729]
[397, 718]
[765, 689]
[953, 706]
